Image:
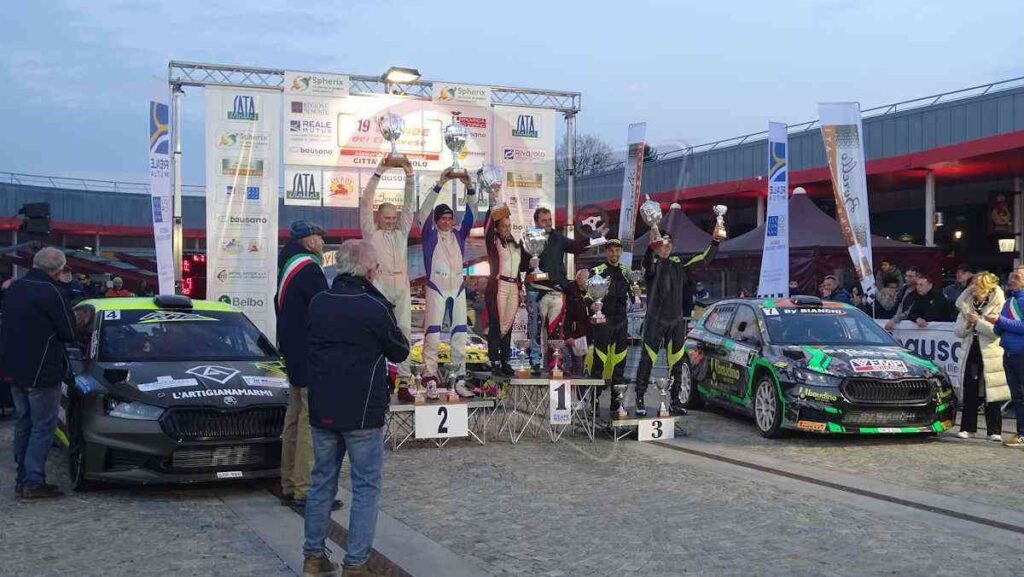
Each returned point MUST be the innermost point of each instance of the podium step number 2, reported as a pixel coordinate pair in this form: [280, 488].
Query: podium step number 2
[442, 421]
[656, 429]
[560, 395]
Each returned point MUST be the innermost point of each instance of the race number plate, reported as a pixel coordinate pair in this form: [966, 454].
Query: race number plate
[559, 399]
[656, 429]
[442, 421]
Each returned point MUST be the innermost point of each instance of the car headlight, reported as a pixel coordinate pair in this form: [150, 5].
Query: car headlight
[815, 379]
[131, 410]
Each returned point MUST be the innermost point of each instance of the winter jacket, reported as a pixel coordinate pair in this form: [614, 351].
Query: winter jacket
[669, 293]
[840, 295]
[299, 278]
[37, 324]
[577, 316]
[1009, 327]
[993, 377]
[615, 304]
[905, 299]
[552, 260]
[352, 335]
[932, 307]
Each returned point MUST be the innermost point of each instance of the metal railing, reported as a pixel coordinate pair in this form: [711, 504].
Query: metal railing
[89, 184]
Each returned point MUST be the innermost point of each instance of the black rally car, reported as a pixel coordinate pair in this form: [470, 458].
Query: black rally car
[167, 389]
[804, 364]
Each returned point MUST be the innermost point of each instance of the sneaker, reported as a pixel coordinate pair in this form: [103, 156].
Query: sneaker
[641, 407]
[405, 395]
[995, 438]
[431, 384]
[964, 435]
[319, 566]
[1014, 441]
[462, 389]
[43, 491]
[676, 408]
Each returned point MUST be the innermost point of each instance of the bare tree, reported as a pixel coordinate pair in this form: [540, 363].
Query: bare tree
[590, 154]
[650, 153]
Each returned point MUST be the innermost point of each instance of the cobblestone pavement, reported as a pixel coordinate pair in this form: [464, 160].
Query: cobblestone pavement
[976, 470]
[577, 508]
[125, 532]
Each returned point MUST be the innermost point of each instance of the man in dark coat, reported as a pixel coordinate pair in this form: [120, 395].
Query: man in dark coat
[576, 323]
[353, 334]
[611, 338]
[930, 305]
[300, 277]
[37, 324]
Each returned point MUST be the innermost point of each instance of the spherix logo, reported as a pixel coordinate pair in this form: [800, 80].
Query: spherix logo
[244, 108]
[303, 187]
[525, 127]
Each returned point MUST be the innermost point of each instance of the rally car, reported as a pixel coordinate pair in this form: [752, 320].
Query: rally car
[168, 389]
[804, 364]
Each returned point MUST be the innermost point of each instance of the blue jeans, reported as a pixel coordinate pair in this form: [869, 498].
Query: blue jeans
[365, 449]
[1013, 366]
[36, 413]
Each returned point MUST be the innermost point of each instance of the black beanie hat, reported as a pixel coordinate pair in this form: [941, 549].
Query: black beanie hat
[441, 210]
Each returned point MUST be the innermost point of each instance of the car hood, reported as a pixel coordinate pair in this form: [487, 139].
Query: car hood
[864, 361]
[189, 383]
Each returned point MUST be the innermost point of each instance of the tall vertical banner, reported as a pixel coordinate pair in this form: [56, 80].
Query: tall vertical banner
[160, 183]
[631, 188]
[842, 134]
[243, 128]
[774, 280]
[524, 146]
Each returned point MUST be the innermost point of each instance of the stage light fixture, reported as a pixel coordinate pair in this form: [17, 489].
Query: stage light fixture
[400, 75]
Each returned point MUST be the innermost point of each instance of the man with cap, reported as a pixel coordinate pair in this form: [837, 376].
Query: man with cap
[300, 277]
[611, 338]
[443, 248]
[389, 234]
[666, 277]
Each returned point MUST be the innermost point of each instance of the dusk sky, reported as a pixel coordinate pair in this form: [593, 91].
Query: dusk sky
[75, 74]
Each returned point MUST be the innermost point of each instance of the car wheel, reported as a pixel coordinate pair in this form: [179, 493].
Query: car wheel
[767, 409]
[689, 396]
[77, 451]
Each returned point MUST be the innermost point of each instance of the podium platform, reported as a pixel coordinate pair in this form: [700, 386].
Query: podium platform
[528, 403]
[400, 422]
[618, 429]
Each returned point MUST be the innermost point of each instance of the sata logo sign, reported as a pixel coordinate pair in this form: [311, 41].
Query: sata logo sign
[303, 187]
[525, 127]
[244, 108]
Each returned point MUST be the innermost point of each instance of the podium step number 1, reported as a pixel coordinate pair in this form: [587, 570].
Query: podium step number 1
[656, 429]
[560, 395]
[442, 421]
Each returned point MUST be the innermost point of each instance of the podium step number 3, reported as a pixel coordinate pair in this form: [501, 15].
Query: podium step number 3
[656, 429]
[442, 421]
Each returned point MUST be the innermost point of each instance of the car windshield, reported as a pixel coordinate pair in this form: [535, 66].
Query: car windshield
[153, 336]
[826, 326]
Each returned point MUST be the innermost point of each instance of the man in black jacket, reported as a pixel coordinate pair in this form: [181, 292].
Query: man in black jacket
[37, 324]
[352, 334]
[545, 300]
[666, 278]
[930, 305]
[611, 338]
[300, 277]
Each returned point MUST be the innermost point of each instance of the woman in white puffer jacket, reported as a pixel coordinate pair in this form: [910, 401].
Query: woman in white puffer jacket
[982, 357]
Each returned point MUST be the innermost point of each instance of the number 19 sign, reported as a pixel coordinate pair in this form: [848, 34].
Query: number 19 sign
[560, 396]
[442, 421]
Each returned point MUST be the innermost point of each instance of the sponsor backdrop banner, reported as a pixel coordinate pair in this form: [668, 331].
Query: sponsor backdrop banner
[937, 343]
[774, 280]
[842, 133]
[160, 183]
[524, 145]
[242, 132]
[631, 188]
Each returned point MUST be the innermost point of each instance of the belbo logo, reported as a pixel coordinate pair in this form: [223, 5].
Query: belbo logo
[242, 302]
[303, 187]
[244, 108]
[524, 127]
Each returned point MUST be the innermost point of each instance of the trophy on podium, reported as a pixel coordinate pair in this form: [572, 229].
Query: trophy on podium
[597, 289]
[534, 241]
[650, 211]
[556, 357]
[390, 127]
[522, 367]
[455, 136]
[620, 391]
[720, 232]
[634, 277]
[489, 178]
[417, 384]
[663, 385]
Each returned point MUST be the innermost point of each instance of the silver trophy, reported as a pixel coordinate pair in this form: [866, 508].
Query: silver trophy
[523, 360]
[489, 177]
[417, 383]
[455, 136]
[620, 391]
[534, 241]
[650, 211]
[597, 289]
[390, 127]
[663, 385]
[720, 232]
[634, 277]
[556, 357]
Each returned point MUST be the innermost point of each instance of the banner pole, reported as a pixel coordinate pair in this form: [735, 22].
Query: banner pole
[570, 193]
[177, 235]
